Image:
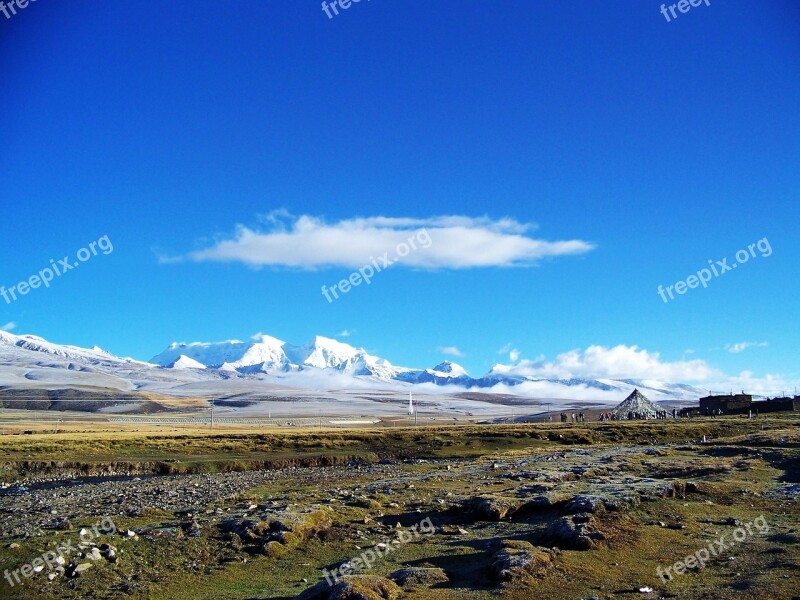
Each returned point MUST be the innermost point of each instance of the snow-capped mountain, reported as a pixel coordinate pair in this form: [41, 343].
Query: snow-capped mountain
[184, 362]
[31, 360]
[445, 373]
[265, 351]
[269, 355]
[450, 369]
[34, 343]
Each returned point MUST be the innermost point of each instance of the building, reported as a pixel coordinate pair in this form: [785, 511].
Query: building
[728, 404]
[737, 404]
[777, 404]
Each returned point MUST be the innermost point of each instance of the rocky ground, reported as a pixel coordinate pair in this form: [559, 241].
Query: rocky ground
[578, 522]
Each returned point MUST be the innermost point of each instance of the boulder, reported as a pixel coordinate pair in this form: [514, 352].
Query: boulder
[575, 532]
[419, 576]
[489, 508]
[516, 560]
[353, 587]
[585, 504]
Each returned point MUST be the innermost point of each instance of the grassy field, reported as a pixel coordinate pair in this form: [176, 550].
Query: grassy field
[100, 448]
[433, 471]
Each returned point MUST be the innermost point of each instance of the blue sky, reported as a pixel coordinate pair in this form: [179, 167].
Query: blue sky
[176, 128]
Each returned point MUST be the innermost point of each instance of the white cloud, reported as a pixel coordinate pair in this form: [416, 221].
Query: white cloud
[769, 385]
[10, 326]
[619, 362]
[513, 353]
[346, 333]
[442, 242]
[450, 350]
[631, 362]
[742, 346]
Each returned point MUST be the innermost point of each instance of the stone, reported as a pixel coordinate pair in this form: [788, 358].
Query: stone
[489, 508]
[419, 576]
[353, 587]
[584, 504]
[576, 532]
[513, 562]
[74, 570]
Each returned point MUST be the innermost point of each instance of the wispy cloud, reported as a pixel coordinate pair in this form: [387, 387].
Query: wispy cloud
[513, 353]
[451, 351]
[742, 346]
[458, 242]
[10, 326]
[346, 333]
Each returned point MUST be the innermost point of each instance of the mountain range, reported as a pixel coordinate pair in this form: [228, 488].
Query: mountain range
[322, 363]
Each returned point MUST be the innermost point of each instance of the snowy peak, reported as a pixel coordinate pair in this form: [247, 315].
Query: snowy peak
[34, 343]
[184, 362]
[231, 353]
[450, 369]
[269, 355]
[323, 353]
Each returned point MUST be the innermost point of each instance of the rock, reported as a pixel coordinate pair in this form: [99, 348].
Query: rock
[109, 552]
[93, 554]
[318, 591]
[362, 587]
[419, 576]
[516, 560]
[543, 503]
[676, 489]
[62, 525]
[489, 508]
[75, 570]
[576, 532]
[584, 504]
[273, 549]
[353, 587]
[235, 541]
